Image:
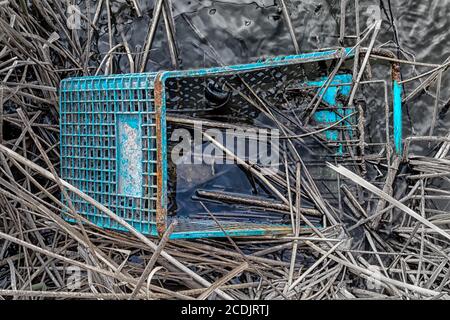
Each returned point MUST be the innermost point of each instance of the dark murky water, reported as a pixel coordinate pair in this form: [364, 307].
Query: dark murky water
[243, 31]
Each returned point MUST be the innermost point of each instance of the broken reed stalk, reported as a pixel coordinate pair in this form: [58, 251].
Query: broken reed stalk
[151, 33]
[288, 21]
[296, 226]
[169, 23]
[342, 23]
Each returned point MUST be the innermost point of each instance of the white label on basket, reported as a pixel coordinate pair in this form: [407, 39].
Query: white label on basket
[129, 155]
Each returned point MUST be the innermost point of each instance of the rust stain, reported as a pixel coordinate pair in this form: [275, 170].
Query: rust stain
[395, 71]
[161, 212]
[395, 66]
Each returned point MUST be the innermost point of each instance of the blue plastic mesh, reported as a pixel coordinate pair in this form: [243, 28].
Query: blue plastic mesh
[108, 147]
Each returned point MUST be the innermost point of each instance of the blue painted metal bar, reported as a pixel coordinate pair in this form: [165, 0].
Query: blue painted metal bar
[397, 115]
[396, 98]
